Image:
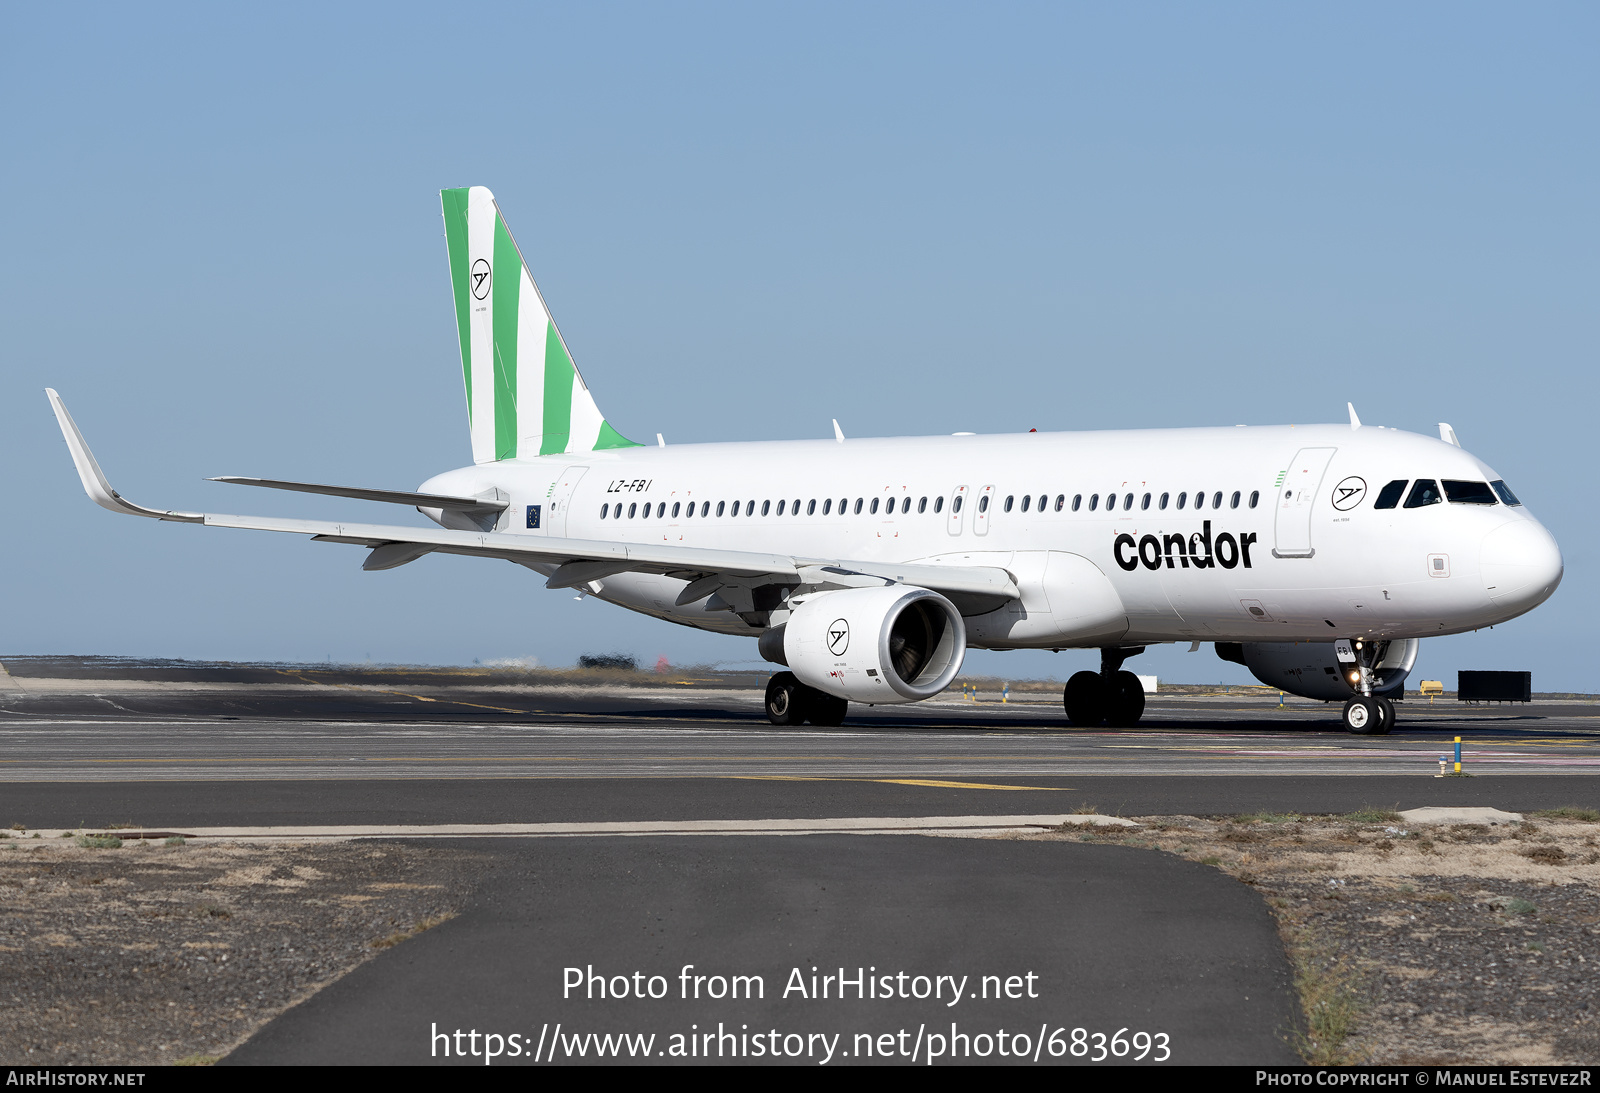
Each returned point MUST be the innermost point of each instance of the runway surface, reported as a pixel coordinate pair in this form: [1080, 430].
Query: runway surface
[276, 746]
[1126, 938]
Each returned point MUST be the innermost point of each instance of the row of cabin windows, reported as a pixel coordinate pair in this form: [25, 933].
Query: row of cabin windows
[1425, 491]
[1039, 502]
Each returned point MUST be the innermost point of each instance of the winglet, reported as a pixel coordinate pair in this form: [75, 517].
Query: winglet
[1448, 434]
[1355, 422]
[94, 479]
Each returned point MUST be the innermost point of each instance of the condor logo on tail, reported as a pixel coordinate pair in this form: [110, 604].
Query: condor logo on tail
[1198, 550]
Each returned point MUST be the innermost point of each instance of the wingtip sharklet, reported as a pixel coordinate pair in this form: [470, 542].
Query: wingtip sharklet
[94, 480]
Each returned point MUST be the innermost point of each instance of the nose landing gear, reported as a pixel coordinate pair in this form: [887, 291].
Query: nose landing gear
[1366, 714]
[1110, 695]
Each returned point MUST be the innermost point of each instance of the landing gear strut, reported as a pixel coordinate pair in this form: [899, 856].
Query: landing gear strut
[1110, 695]
[790, 702]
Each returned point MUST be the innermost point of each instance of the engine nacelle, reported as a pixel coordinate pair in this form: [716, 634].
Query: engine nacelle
[1310, 669]
[876, 645]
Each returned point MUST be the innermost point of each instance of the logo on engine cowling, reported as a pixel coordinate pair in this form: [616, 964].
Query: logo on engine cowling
[838, 637]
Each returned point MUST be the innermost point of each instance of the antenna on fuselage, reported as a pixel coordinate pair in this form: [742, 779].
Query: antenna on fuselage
[1448, 434]
[1355, 422]
[838, 433]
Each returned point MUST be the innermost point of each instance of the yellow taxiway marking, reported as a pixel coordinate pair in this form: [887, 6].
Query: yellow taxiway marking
[887, 781]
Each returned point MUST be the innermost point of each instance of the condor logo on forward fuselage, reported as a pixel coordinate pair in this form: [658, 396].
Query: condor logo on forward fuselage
[1198, 550]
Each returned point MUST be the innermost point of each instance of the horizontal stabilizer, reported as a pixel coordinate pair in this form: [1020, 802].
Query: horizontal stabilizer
[393, 497]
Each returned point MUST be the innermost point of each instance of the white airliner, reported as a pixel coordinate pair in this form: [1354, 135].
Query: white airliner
[1316, 555]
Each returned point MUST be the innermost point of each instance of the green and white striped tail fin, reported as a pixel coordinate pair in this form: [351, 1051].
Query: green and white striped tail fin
[524, 394]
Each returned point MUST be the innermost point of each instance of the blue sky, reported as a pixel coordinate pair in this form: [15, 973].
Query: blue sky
[223, 246]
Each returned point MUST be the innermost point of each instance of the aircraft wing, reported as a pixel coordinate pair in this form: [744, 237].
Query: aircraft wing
[577, 562]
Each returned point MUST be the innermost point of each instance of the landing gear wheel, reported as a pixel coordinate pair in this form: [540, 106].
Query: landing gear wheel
[824, 709]
[1387, 707]
[786, 699]
[1085, 699]
[1364, 717]
[1124, 700]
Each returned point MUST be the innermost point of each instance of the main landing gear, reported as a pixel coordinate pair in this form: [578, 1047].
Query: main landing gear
[1111, 695]
[790, 702]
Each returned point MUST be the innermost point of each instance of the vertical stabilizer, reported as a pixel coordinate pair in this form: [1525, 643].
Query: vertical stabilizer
[524, 395]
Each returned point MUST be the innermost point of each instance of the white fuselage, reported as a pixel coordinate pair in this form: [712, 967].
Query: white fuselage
[1291, 566]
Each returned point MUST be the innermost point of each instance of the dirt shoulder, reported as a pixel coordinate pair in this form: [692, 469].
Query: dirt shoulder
[1439, 943]
[155, 954]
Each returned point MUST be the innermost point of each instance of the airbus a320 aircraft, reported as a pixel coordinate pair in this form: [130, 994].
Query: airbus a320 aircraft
[1317, 556]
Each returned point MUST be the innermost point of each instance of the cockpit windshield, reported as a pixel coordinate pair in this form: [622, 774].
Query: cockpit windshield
[1389, 496]
[1425, 492]
[1468, 493]
[1499, 486]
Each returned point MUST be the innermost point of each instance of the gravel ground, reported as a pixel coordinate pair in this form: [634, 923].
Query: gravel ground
[1444, 944]
[154, 954]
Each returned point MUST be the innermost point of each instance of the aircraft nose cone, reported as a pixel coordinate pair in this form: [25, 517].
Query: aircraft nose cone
[1521, 565]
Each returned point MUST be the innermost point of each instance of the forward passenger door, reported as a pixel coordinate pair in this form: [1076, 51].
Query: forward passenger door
[1296, 498]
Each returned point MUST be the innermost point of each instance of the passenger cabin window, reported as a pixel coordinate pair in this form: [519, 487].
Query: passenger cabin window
[827, 505]
[1094, 501]
[1111, 501]
[983, 503]
[1255, 496]
[1389, 496]
[1127, 501]
[1234, 503]
[1425, 492]
[632, 509]
[1182, 498]
[1468, 493]
[1200, 500]
[874, 507]
[721, 505]
[675, 507]
[905, 506]
[688, 511]
[1216, 500]
[661, 511]
[1025, 499]
[955, 503]
[1008, 502]
[938, 504]
[1504, 491]
[1077, 499]
[604, 509]
[858, 506]
[1061, 499]
[1145, 503]
[811, 507]
[922, 505]
[1164, 498]
[780, 508]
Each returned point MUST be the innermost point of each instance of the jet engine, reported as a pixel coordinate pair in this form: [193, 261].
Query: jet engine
[875, 645]
[1311, 669]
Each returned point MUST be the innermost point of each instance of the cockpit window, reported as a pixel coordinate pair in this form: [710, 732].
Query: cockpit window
[1389, 496]
[1504, 491]
[1468, 493]
[1425, 492]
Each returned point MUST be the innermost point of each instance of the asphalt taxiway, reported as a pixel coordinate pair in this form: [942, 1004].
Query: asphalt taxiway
[1129, 939]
